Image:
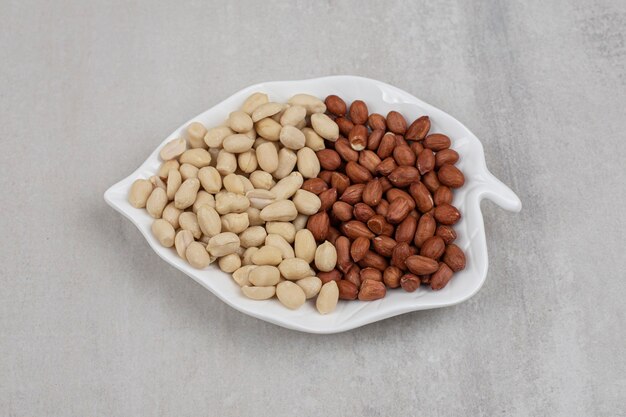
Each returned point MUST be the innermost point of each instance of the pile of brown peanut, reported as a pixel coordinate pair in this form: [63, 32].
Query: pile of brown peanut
[297, 201]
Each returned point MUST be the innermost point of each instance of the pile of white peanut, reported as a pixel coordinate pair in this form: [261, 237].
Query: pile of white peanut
[232, 194]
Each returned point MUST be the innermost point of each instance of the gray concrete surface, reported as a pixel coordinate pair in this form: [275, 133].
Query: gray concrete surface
[93, 323]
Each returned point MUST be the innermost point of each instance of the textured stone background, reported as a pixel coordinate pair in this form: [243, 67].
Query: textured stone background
[92, 322]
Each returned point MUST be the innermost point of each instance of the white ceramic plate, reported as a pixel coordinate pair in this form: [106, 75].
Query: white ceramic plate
[380, 98]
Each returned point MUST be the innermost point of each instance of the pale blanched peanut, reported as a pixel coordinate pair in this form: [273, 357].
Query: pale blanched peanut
[182, 240]
[247, 185]
[306, 202]
[189, 221]
[203, 199]
[325, 126]
[258, 293]
[311, 103]
[326, 257]
[327, 298]
[292, 116]
[165, 167]
[260, 199]
[284, 229]
[188, 171]
[204, 239]
[210, 179]
[277, 241]
[310, 285]
[173, 149]
[246, 259]
[291, 137]
[264, 275]
[268, 129]
[186, 194]
[281, 210]
[235, 222]
[158, 182]
[267, 255]
[233, 184]
[229, 263]
[247, 161]
[223, 244]
[197, 157]
[261, 180]
[196, 132]
[240, 121]
[288, 186]
[163, 232]
[174, 180]
[308, 164]
[253, 102]
[313, 140]
[253, 236]
[254, 217]
[304, 245]
[240, 276]
[294, 269]
[227, 202]
[209, 221]
[286, 162]
[171, 214]
[267, 157]
[156, 202]
[300, 222]
[226, 162]
[139, 193]
[197, 256]
[215, 137]
[290, 295]
[266, 110]
[237, 143]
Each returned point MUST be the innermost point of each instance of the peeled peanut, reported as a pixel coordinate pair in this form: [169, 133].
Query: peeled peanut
[325, 126]
[188, 171]
[304, 245]
[259, 293]
[158, 182]
[294, 268]
[284, 229]
[262, 180]
[277, 241]
[229, 263]
[300, 221]
[310, 285]
[281, 210]
[164, 232]
[308, 164]
[223, 244]
[227, 202]
[286, 162]
[293, 116]
[240, 121]
[306, 202]
[203, 199]
[246, 258]
[288, 186]
[215, 137]
[264, 275]
[290, 295]
[311, 103]
[226, 162]
[171, 214]
[267, 255]
[210, 179]
[237, 143]
[312, 139]
[247, 161]
[156, 202]
[165, 167]
[182, 240]
[327, 298]
[186, 194]
[196, 132]
[291, 137]
[259, 199]
[189, 221]
[233, 184]
[326, 257]
[253, 102]
[209, 221]
[139, 193]
[267, 157]
[266, 110]
[252, 236]
[173, 149]
[197, 256]
[235, 222]
[254, 217]
[241, 275]
[197, 157]
[174, 180]
[268, 129]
